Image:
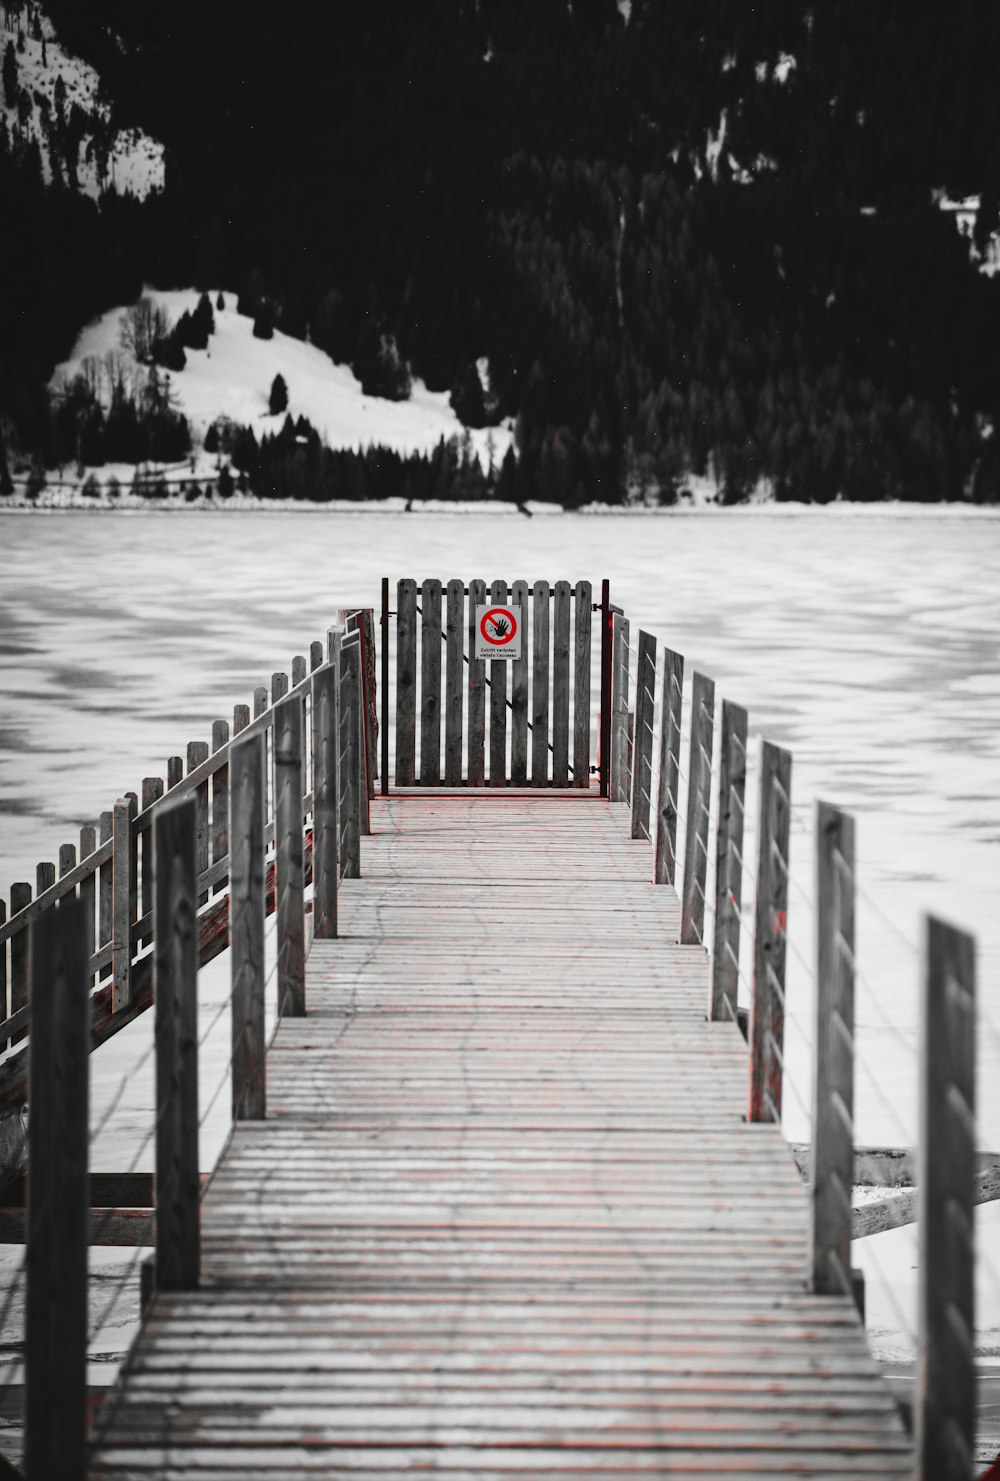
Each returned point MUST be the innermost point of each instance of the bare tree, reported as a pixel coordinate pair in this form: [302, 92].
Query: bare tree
[141, 326]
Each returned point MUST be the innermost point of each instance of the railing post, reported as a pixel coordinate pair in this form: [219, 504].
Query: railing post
[384, 737]
[220, 799]
[767, 1006]
[729, 863]
[364, 621]
[88, 890]
[349, 662]
[406, 682]
[247, 906]
[121, 912]
[326, 801]
[946, 1382]
[642, 750]
[175, 966]
[604, 735]
[832, 1162]
[619, 708]
[290, 857]
[20, 955]
[699, 803]
[152, 791]
[58, 1200]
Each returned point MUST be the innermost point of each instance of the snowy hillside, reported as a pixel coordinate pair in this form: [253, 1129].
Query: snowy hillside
[233, 377]
[55, 99]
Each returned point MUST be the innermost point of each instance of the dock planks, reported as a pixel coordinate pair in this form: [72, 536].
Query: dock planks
[505, 1217]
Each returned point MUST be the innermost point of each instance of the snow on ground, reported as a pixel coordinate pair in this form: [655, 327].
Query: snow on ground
[232, 378]
[135, 162]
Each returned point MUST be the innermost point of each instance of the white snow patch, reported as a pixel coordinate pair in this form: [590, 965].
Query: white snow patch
[233, 377]
[135, 161]
[965, 213]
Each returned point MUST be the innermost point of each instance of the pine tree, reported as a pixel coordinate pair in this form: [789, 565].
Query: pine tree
[278, 399]
[10, 75]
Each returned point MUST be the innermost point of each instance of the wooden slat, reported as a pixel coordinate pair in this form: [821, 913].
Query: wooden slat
[430, 683]
[20, 955]
[289, 726]
[520, 596]
[642, 765]
[498, 701]
[406, 682]
[454, 681]
[581, 684]
[540, 627]
[220, 797]
[560, 683]
[619, 708]
[477, 693]
[326, 801]
[123, 913]
[767, 1005]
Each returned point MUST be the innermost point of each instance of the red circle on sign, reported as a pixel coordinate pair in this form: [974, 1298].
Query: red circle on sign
[488, 629]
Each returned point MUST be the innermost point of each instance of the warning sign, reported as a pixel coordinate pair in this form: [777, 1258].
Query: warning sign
[498, 632]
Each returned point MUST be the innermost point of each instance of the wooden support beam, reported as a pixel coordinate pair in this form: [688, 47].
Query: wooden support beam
[56, 1301]
[247, 763]
[289, 724]
[699, 802]
[729, 864]
[946, 1379]
[175, 932]
[767, 1005]
[833, 1056]
[642, 753]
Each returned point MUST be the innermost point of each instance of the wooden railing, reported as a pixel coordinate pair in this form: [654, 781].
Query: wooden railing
[951, 1176]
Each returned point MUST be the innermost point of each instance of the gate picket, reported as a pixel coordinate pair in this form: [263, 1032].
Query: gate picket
[520, 592]
[430, 684]
[540, 687]
[406, 683]
[477, 693]
[498, 701]
[560, 685]
[581, 686]
[454, 682]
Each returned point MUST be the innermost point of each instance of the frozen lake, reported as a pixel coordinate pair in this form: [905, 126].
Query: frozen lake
[864, 641]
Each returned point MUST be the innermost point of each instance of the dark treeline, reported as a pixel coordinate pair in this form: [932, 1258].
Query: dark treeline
[542, 184]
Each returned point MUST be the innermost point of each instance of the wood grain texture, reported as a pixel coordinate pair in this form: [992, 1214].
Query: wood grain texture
[583, 625]
[406, 683]
[520, 596]
[722, 1001]
[454, 682]
[699, 803]
[505, 1217]
[430, 683]
[619, 708]
[562, 598]
[642, 755]
[247, 905]
[122, 913]
[326, 801]
[540, 685]
[498, 701]
[767, 1004]
[946, 1372]
[832, 1171]
[477, 692]
[178, 1186]
[290, 866]
[56, 1299]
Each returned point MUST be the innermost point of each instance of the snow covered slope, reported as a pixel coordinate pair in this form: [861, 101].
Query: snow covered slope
[106, 157]
[233, 379]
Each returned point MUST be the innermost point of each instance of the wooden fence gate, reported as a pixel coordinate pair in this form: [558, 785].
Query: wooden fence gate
[553, 693]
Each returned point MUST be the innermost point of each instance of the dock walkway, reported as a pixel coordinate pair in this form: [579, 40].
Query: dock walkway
[505, 1217]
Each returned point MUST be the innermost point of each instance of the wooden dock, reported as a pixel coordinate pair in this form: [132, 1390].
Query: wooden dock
[505, 1216]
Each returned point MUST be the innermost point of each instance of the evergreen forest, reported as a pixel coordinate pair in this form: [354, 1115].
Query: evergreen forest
[688, 236]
